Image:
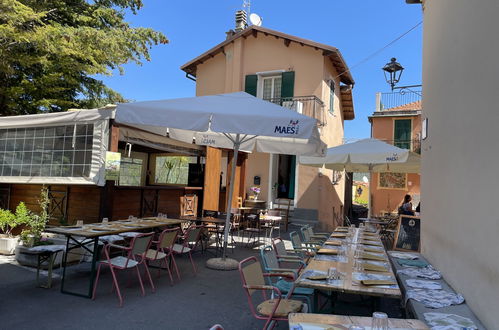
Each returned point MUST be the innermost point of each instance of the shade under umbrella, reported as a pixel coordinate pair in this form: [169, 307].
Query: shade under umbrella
[368, 155]
[237, 121]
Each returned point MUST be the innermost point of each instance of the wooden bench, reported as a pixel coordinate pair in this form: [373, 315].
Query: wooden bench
[415, 309]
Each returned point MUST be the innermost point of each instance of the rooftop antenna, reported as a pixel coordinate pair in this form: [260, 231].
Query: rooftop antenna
[247, 7]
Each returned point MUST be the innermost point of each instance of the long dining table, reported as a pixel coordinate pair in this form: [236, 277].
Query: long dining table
[358, 262]
[87, 236]
[323, 321]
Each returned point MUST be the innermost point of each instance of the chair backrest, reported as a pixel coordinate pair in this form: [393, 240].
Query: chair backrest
[269, 258]
[274, 213]
[168, 237]
[295, 240]
[193, 233]
[239, 202]
[251, 273]
[141, 243]
[279, 246]
[310, 231]
[304, 234]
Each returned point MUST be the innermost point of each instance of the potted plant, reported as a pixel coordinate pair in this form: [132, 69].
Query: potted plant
[9, 221]
[31, 235]
[256, 191]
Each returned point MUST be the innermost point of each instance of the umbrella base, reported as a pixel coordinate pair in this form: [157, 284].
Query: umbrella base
[222, 264]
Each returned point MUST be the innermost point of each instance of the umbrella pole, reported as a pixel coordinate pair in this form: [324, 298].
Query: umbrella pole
[237, 144]
[370, 212]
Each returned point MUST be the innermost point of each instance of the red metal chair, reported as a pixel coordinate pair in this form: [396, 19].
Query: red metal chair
[138, 247]
[163, 251]
[190, 241]
[277, 308]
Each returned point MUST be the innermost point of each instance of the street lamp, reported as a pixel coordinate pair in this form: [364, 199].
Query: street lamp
[393, 70]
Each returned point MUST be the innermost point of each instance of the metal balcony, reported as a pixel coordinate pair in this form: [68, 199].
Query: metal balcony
[404, 100]
[311, 106]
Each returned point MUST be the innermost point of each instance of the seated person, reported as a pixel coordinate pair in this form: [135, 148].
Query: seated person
[406, 207]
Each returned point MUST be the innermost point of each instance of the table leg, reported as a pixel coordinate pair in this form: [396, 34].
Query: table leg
[92, 270]
[65, 261]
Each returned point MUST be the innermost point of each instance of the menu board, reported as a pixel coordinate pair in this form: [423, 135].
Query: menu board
[408, 236]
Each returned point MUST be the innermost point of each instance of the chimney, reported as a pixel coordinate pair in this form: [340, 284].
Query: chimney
[241, 21]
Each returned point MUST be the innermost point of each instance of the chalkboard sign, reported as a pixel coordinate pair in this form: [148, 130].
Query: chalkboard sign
[408, 237]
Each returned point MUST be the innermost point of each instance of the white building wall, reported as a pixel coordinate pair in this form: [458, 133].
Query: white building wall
[460, 164]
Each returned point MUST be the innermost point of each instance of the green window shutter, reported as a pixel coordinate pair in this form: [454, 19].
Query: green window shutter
[288, 84]
[402, 133]
[250, 84]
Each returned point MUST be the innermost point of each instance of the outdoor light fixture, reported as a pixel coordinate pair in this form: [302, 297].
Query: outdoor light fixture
[393, 71]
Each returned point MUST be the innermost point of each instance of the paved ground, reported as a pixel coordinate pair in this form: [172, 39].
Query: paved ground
[195, 302]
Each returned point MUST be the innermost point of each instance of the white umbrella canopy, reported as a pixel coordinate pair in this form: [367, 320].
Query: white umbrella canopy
[215, 120]
[367, 155]
[237, 121]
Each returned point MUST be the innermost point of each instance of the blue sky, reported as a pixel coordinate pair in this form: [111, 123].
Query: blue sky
[357, 28]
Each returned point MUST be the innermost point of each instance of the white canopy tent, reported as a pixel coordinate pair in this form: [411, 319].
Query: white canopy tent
[368, 155]
[237, 121]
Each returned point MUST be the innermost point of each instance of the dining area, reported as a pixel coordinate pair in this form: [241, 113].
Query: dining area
[349, 266]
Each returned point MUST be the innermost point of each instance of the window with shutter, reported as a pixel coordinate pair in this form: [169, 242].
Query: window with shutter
[331, 96]
[250, 84]
[402, 133]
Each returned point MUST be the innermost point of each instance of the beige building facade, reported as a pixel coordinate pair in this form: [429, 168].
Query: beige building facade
[305, 76]
[400, 126]
[460, 177]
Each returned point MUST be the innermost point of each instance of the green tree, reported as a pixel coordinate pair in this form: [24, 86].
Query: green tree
[50, 52]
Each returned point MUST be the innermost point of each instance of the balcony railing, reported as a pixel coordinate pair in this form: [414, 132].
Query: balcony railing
[401, 100]
[310, 106]
[413, 144]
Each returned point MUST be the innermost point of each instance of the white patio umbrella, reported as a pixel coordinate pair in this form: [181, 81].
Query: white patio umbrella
[237, 121]
[368, 155]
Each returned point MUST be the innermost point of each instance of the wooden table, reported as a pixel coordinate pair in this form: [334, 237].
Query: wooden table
[348, 285]
[89, 236]
[346, 321]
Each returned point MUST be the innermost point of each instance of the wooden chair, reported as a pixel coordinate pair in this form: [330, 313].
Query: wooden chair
[285, 210]
[278, 307]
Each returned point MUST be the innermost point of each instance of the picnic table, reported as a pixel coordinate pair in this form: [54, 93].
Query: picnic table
[344, 322]
[87, 237]
[351, 279]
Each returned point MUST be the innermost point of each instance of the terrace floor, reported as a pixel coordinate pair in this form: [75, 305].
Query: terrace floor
[195, 302]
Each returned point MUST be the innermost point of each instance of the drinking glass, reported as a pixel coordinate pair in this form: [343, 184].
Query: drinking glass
[356, 327]
[380, 321]
[79, 223]
[331, 275]
[105, 220]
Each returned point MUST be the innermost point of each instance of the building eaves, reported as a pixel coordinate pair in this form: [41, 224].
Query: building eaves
[331, 52]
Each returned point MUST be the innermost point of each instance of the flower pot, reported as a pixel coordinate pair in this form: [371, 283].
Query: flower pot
[8, 244]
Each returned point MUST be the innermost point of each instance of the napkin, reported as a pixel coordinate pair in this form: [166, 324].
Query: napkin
[375, 268]
[370, 256]
[327, 251]
[335, 243]
[378, 282]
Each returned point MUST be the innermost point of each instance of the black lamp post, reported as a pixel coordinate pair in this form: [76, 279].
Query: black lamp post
[393, 71]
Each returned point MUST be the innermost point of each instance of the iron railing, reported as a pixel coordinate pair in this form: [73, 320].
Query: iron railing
[405, 98]
[413, 144]
[311, 106]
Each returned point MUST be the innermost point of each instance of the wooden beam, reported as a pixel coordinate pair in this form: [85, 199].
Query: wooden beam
[287, 42]
[254, 33]
[212, 179]
[114, 137]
